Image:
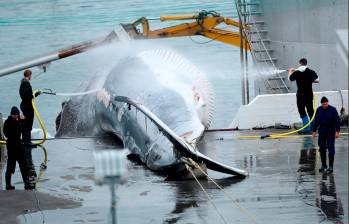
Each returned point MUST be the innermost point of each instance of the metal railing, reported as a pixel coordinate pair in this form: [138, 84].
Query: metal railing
[262, 65]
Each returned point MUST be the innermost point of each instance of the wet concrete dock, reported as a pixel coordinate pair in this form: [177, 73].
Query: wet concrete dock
[284, 186]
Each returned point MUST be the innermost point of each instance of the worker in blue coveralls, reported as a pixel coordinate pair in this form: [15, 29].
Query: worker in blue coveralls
[304, 77]
[327, 120]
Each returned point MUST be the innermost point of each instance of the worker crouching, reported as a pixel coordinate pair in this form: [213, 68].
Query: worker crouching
[328, 125]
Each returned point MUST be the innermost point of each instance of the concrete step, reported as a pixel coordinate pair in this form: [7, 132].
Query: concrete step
[277, 78]
[266, 60]
[250, 4]
[260, 40]
[252, 13]
[256, 31]
[255, 23]
[280, 87]
[263, 50]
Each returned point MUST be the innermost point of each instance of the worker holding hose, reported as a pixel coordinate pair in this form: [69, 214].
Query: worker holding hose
[304, 78]
[26, 93]
[328, 123]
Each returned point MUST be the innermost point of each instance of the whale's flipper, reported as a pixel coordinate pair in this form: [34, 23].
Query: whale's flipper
[183, 148]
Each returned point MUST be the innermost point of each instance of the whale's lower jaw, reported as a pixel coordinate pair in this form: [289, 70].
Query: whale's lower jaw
[182, 171]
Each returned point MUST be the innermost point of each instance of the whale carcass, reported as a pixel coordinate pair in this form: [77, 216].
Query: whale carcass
[156, 102]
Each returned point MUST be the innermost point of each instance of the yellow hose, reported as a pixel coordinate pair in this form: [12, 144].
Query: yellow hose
[40, 121]
[45, 155]
[281, 135]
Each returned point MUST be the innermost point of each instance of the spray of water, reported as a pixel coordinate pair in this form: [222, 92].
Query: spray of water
[132, 69]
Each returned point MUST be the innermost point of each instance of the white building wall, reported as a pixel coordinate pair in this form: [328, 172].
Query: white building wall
[308, 28]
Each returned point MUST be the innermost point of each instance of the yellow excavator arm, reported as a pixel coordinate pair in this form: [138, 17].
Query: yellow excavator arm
[204, 24]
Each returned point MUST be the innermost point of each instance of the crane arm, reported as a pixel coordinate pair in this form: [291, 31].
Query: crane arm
[205, 24]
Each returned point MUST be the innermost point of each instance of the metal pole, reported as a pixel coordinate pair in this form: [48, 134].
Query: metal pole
[113, 204]
[1, 127]
[247, 88]
[2, 148]
[242, 59]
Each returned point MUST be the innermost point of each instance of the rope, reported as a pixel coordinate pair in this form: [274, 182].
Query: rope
[219, 187]
[207, 195]
[43, 167]
[38, 206]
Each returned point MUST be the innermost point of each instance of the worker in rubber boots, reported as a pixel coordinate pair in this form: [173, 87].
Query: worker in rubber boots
[12, 131]
[26, 93]
[328, 123]
[304, 78]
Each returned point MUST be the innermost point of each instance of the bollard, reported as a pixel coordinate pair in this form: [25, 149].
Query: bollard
[111, 169]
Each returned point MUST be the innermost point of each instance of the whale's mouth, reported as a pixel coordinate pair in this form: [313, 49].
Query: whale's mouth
[111, 139]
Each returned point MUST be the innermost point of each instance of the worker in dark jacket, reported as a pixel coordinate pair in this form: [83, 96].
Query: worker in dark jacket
[327, 120]
[304, 78]
[26, 93]
[12, 131]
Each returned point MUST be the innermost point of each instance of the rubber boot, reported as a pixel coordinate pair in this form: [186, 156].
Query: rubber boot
[330, 168]
[8, 182]
[306, 130]
[323, 161]
[30, 169]
[29, 183]
[311, 126]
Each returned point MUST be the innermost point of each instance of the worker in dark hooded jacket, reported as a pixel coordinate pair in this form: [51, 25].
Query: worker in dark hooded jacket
[328, 123]
[12, 131]
[304, 77]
